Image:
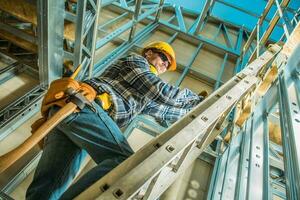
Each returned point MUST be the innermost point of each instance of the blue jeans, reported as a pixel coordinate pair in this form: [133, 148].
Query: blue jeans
[66, 146]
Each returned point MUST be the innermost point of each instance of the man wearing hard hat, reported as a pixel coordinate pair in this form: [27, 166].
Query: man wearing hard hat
[127, 88]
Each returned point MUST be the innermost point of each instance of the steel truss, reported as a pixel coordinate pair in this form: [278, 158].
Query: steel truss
[262, 37]
[85, 18]
[50, 37]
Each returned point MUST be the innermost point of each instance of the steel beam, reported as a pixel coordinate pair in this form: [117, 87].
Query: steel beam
[221, 71]
[20, 110]
[171, 27]
[204, 13]
[289, 87]
[137, 11]
[21, 34]
[187, 68]
[264, 38]
[50, 39]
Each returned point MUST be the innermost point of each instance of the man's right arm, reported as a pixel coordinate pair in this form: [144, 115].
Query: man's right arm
[136, 72]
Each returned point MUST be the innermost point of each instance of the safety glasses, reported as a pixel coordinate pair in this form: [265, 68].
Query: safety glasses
[163, 57]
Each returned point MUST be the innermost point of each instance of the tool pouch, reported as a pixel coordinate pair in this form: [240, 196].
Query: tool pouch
[57, 96]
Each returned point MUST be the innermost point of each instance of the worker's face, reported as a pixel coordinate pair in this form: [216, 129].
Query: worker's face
[159, 60]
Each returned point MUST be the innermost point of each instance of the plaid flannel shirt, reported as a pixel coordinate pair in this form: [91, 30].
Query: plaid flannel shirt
[134, 89]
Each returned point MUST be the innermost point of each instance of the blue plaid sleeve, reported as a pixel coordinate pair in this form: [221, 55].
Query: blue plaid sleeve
[164, 114]
[138, 75]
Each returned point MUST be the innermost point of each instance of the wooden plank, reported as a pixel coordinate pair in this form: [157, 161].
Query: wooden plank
[18, 41]
[275, 133]
[20, 9]
[269, 78]
[69, 31]
[292, 42]
[27, 12]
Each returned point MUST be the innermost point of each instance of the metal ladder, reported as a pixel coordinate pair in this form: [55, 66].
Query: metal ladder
[151, 170]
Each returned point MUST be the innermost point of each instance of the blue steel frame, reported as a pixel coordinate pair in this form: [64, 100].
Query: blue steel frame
[218, 167]
[251, 153]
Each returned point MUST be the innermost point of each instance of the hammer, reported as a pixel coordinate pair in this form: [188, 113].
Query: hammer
[76, 100]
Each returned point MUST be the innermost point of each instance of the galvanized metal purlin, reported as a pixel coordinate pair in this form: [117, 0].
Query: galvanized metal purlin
[202, 39]
[118, 52]
[257, 151]
[204, 13]
[80, 14]
[218, 173]
[289, 104]
[166, 24]
[269, 4]
[50, 39]
[100, 43]
[258, 173]
[180, 19]
[260, 21]
[228, 170]
[264, 38]
[114, 20]
[9, 71]
[70, 16]
[286, 24]
[88, 21]
[20, 110]
[141, 119]
[15, 31]
[87, 14]
[266, 158]
[158, 12]
[239, 43]
[220, 74]
[241, 181]
[254, 67]
[226, 36]
[187, 68]
[137, 11]
[94, 31]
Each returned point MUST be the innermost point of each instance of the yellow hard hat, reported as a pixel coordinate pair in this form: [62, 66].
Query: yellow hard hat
[165, 48]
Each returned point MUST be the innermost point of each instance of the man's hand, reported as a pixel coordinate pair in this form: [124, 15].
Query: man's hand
[203, 93]
[56, 94]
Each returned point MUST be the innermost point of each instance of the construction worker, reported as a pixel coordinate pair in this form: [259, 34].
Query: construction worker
[127, 88]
